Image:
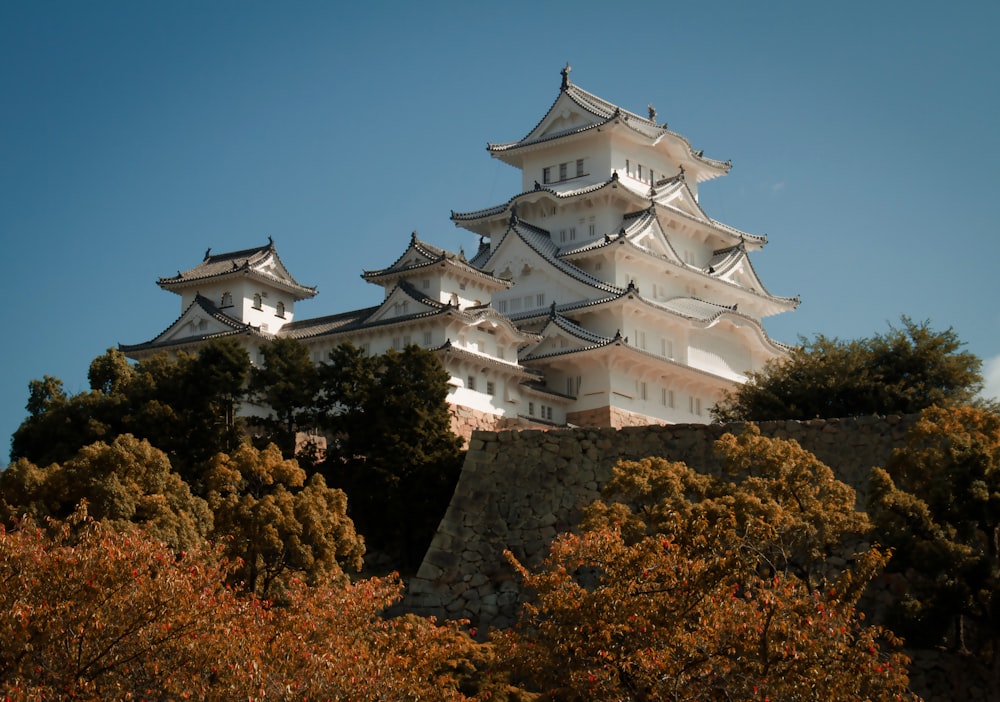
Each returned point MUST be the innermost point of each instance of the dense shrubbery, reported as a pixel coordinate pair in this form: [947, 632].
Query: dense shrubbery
[903, 371]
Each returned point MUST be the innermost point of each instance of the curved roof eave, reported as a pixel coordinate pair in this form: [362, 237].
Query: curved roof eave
[604, 112]
[497, 210]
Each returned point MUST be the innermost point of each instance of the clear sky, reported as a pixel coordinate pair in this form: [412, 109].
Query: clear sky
[134, 135]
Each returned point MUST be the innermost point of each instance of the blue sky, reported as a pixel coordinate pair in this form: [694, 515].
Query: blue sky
[134, 135]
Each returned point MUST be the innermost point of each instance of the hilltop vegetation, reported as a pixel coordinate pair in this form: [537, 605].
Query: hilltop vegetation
[156, 545]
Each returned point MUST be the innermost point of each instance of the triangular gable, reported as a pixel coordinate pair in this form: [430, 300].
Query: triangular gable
[678, 196]
[646, 233]
[402, 303]
[524, 251]
[200, 320]
[565, 116]
[560, 335]
[733, 266]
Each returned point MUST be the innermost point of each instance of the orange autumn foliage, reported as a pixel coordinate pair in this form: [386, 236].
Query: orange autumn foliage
[90, 613]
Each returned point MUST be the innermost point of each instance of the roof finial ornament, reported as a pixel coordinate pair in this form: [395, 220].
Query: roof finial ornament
[513, 214]
[208, 252]
[552, 310]
[680, 174]
[652, 112]
[270, 241]
[461, 252]
[413, 235]
[565, 75]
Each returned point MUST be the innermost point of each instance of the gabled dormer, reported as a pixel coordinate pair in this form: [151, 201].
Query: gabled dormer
[251, 286]
[438, 274]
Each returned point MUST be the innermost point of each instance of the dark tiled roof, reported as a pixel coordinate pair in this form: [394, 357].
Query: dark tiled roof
[243, 262]
[431, 256]
[496, 210]
[604, 112]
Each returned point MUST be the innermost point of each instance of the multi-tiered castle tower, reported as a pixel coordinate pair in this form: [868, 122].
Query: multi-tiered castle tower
[602, 294]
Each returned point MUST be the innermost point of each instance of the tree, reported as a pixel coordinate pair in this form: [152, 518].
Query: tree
[902, 371]
[185, 406]
[392, 447]
[937, 503]
[657, 621]
[91, 613]
[287, 384]
[95, 613]
[788, 513]
[277, 523]
[125, 482]
[687, 586]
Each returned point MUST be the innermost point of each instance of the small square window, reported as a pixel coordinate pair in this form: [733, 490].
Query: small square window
[471, 384]
[491, 389]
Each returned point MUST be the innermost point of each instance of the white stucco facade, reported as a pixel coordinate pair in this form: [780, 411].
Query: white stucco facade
[601, 294]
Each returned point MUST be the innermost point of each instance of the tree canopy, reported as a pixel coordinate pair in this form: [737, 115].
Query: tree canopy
[125, 482]
[937, 503]
[906, 369]
[92, 613]
[277, 523]
[391, 448]
[691, 587]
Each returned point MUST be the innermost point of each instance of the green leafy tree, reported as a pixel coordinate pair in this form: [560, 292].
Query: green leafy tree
[185, 406]
[287, 384]
[124, 482]
[937, 503]
[392, 447]
[277, 523]
[903, 371]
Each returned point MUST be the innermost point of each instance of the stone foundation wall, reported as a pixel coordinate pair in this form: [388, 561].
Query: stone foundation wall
[607, 416]
[465, 421]
[519, 489]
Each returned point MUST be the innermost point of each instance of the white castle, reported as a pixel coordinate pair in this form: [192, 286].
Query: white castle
[602, 294]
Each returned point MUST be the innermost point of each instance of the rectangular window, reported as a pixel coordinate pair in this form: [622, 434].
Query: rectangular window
[642, 390]
[639, 171]
[500, 352]
[547, 174]
[562, 235]
[366, 348]
[406, 340]
[540, 299]
[502, 306]
[425, 283]
[548, 413]
[628, 167]
[592, 230]
[396, 343]
[562, 171]
[652, 180]
[471, 384]
[579, 167]
[427, 339]
[490, 388]
[531, 409]
[572, 233]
